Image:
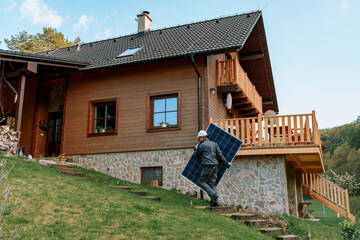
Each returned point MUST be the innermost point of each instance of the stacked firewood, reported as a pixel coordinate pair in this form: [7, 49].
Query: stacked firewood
[9, 140]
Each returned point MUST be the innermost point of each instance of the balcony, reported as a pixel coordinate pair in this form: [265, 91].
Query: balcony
[231, 78]
[295, 136]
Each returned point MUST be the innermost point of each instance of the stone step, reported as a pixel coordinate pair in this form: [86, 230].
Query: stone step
[84, 178]
[223, 209]
[121, 187]
[67, 169]
[140, 193]
[241, 216]
[73, 173]
[202, 207]
[256, 223]
[153, 198]
[287, 237]
[270, 231]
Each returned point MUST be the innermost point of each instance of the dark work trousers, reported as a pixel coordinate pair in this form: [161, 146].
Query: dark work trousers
[207, 180]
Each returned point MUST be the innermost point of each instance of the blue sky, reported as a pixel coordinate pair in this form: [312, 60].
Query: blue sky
[313, 45]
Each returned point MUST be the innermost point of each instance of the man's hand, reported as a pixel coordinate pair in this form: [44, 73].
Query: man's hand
[195, 148]
[228, 165]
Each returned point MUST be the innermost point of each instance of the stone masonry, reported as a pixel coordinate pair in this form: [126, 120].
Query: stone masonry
[256, 182]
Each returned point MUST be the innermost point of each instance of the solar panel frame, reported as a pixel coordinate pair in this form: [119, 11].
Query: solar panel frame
[229, 145]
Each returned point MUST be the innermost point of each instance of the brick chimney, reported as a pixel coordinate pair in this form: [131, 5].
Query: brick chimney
[144, 22]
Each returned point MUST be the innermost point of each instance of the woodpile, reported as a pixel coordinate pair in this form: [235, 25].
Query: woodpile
[9, 140]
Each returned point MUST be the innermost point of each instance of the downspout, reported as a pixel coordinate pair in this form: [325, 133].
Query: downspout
[199, 90]
[199, 104]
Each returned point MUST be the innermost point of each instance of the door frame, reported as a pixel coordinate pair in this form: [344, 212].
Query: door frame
[62, 79]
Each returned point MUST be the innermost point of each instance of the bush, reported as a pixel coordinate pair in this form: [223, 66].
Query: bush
[355, 205]
[349, 230]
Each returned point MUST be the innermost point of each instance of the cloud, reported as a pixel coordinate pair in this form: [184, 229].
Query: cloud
[107, 33]
[11, 5]
[83, 22]
[344, 5]
[40, 13]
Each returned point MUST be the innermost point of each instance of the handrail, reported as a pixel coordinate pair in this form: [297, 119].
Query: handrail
[275, 130]
[230, 72]
[335, 196]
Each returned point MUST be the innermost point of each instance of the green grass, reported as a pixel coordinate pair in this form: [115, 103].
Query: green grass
[57, 206]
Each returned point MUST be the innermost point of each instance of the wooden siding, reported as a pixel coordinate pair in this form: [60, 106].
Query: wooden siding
[131, 85]
[217, 109]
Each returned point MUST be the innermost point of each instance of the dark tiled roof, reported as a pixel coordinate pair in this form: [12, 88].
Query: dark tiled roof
[41, 56]
[207, 36]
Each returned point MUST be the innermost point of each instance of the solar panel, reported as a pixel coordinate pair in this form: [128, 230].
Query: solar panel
[229, 145]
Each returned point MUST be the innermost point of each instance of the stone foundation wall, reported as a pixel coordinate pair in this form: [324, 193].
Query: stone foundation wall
[256, 182]
[9, 140]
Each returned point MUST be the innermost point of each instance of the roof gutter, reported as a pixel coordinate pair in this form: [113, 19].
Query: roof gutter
[199, 89]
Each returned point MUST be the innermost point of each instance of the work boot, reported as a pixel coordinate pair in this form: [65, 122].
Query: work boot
[214, 202]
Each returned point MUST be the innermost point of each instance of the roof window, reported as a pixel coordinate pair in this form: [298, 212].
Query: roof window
[129, 52]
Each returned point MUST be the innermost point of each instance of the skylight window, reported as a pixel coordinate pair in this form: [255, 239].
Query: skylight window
[129, 52]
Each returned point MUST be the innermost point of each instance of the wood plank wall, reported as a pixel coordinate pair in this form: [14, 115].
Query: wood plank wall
[131, 85]
[217, 109]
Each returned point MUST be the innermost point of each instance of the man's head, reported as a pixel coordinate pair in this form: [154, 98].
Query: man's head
[202, 135]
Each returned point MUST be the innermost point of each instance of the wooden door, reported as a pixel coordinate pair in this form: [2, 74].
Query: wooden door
[54, 133]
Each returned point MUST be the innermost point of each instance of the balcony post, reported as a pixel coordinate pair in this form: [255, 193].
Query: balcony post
[260, 129]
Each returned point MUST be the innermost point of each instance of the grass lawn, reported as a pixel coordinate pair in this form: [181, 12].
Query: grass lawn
[57, 206]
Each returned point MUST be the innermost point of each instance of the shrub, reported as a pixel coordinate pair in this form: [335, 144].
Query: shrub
[349, 230]
[346, 181]
[355, 205]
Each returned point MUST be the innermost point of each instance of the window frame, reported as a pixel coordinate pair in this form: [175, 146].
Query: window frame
[152, 168]
[91, 116]
[150, 111]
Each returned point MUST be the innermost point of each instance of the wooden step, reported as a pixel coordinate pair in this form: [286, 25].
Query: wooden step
[223, 209]
[153, 198]
[67, 170]
[140, 193]
[121, 187]
[257, 223]
[287, 237]
[241, 216]
[270, 231]
[72, 173]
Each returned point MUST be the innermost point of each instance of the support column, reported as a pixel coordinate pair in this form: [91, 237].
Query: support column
[299, 193]
[20, 101]
[292, 191]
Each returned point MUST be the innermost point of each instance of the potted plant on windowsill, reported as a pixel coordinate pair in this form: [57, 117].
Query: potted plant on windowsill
[163, 124]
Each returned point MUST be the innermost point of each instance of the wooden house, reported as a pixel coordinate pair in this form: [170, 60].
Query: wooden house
[131, 107]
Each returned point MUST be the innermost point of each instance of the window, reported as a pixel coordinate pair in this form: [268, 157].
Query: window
[151, 173]
[164, 111]
[129, 52]
[103, 115]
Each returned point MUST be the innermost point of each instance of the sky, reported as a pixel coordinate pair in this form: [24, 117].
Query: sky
[313, 45]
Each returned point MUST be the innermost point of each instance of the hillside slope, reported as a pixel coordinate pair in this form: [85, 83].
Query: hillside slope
[57, 206]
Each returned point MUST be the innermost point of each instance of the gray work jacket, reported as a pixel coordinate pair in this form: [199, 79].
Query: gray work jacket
[209, 153]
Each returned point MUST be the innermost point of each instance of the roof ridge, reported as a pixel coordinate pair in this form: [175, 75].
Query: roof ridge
[161, 29]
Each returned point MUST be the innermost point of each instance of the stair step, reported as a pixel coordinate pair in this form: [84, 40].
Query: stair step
[72, 173]
[256, 223]
[84, 178]
[153, 198]
[287, 237]
[270, 231]
[202, 207]
[121, 187]
[140, 193]
[67, 170]
[241, 216]
[223, 209]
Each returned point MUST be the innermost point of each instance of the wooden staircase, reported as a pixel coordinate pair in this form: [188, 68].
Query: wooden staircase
[328, 194]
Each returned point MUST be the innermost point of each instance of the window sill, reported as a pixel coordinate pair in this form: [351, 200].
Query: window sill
[163, 129]
[102, 134]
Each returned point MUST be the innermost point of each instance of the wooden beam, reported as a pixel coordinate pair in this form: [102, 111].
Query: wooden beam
[32, 67]
[11, 88]
[243, 107]
[227, 89]
[252, 57]
[298, 162]
[240, 101]
[249, 111]
[20, 103]
[268, 103]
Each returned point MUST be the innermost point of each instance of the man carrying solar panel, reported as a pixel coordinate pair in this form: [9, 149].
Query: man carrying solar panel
[210, 155]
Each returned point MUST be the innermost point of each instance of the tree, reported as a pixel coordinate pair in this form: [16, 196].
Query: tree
[49, 39]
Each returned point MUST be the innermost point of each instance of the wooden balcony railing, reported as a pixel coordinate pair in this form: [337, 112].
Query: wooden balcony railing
[273, 131]
[230, 72]
[328, 194]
